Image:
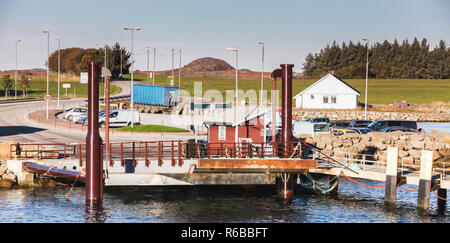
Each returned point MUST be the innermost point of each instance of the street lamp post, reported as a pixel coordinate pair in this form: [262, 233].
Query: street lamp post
[367, 76]
[236, 134]
[48, 65]
[15, 72]
[59, 63]
[154, 65]
[132, 64]
[104, 86]
[262, 73]
[147, 49]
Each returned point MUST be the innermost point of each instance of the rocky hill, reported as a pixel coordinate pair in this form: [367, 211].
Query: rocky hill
[212, 67]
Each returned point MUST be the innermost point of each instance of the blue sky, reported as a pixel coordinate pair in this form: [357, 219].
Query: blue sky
[290, 29]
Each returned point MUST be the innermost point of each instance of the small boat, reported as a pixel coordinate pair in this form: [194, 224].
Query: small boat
[43, 170]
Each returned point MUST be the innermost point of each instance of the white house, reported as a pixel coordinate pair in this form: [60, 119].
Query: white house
[330, 92]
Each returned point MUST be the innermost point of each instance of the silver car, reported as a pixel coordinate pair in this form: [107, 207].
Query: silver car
[70, 113]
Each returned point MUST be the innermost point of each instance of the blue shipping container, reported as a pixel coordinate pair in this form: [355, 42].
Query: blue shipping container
[155, 95]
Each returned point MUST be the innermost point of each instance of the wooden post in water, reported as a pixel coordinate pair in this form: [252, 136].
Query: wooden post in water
[426, 166]
[390, 195]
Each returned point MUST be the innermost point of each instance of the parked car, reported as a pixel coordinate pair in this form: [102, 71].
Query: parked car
[318, 120]
[361, 130]
[310, 128]
[359, 123]
[339, 125]
[83, 119]
[393, 129]
[118, 118]
[380, 124]
[69, 113]
[339, 132]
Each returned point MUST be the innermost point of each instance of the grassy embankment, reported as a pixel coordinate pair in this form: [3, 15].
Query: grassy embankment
[152, 128]
[380, 91]
[38, 87]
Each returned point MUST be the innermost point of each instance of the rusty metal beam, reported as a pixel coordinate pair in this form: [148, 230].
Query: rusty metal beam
[257, 164]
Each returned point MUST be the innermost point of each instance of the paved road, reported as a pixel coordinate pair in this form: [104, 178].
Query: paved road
[16, 126]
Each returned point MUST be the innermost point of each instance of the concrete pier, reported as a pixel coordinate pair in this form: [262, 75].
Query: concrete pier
[426, 166]
[390, 195]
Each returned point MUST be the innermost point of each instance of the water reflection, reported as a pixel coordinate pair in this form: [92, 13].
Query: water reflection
[95, 212]
[204, 204]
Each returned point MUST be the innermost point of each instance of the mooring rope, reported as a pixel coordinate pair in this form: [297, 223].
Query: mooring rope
[359, 183]
[71, 188]
[283, 179]
[295, 150]
[445, 199]
[317, 183]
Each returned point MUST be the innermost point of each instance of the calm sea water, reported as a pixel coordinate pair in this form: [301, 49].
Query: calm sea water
[203, 204]
[439, 126]
[197, 204]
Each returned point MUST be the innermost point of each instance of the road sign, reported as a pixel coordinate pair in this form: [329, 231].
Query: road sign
[105, 72]
[47, 98]
[66, 86]
[84, 78]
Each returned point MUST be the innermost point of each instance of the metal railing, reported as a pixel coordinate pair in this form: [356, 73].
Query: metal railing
[243, 150]
[176, 151]
[43, 151]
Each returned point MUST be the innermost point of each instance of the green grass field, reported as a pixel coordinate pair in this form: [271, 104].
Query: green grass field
[77, 89]
[380, 91]
[152, 128]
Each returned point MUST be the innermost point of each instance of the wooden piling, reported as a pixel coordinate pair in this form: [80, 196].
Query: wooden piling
[426, 166]
[390, 195]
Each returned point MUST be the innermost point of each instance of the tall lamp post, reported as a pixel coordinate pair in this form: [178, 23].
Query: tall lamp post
[367, 76]
[104, 86]
[132, 64]
[235, 109]
[15, 72]
[59, 62]
[48, 65]
[147, 49]
[262, 74]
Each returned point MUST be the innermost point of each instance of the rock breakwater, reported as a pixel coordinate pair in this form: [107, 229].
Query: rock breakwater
[373, 146]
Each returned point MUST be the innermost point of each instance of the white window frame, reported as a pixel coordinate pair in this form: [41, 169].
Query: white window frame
[222, 133]
[335, 99]
[327, 99]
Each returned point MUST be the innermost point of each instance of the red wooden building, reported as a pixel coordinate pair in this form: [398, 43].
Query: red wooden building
[251, 129]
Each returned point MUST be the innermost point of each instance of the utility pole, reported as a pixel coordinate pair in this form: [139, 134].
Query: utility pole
[367, 77]
[179, 72]
[15, 72]
[120, 62]
[154, 65]
[172, 60]
[262, 74]
[236, 128]
[132, 67]
[59, 63]
[148, 63]
[48, 67]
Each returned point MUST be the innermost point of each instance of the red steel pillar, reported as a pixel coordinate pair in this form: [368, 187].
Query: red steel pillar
[94, 165]
[286, 107]
[286, 118]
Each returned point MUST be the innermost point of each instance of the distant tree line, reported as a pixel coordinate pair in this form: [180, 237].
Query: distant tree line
[74, 60]
[386, 60]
